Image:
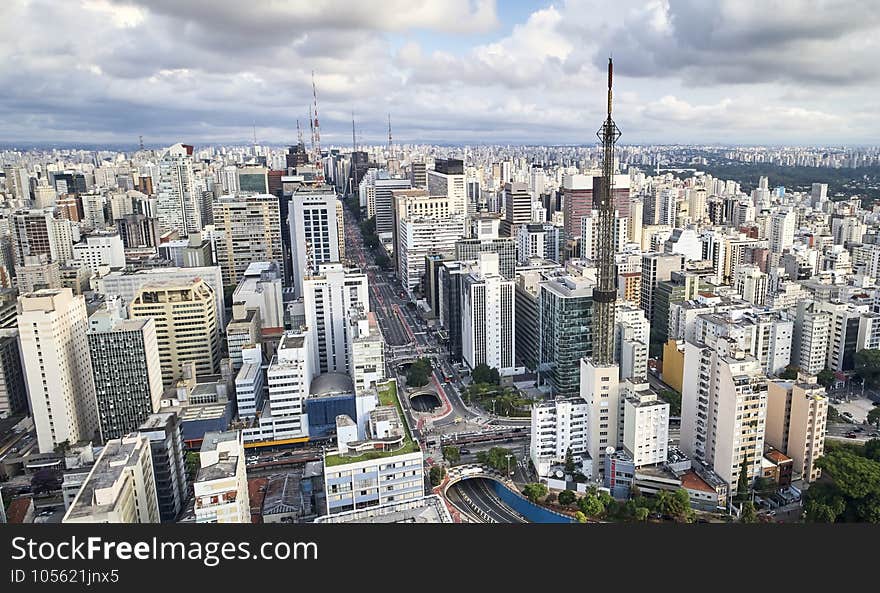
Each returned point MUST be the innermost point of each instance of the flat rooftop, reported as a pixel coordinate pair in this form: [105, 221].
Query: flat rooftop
[428, 509]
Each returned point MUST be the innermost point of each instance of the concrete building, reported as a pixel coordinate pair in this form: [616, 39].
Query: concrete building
[250, 383]
[314, 234]
[486, 240]
[657, 267]
[220, 486]
[247, 229]
[186, 325]
[329, 296]
[37, 272]
[366, 349]
[751, 284]
[600, 389]
[243, 331]
[488, 317]
[558, 426]
[782, 227]
[724, 409]
[52, 327]
[447, 179]
[796, 416]
[260, 287]
[100, 252]
[13, 392]
[126, 284]
[384, 465]
[120, 487]
[577, 192]
[163, 430]
[128, 376]
[645, 424]
[517, 208]
[177, 202]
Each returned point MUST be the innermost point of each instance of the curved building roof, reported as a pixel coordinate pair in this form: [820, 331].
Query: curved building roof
[331, 383]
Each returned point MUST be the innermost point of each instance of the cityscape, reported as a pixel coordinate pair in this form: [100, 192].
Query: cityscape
[279, 323]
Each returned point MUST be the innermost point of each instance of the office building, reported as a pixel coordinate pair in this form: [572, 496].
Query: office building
[657, 267]
[367, 350]
[220, 487]
[517, 208]
[577, 199]
[447, 179]
[52, 327]
[37, 272]
[100, 252]
[314, 235]
[13, 393]
[186, 325]
[485, 239]
[163, 430]
[565, 322]
[138, 231]
[488, 317]
[329, 296]
[796, 416]
[128, 376]
[247, 229]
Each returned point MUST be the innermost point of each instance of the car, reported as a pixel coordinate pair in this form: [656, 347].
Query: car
[850, 435]
[464, 451]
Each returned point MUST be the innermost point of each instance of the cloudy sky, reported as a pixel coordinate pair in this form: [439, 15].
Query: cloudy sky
[469, 71]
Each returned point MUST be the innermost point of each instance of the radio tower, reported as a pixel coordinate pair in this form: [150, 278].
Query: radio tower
[354, 144]
[319, 164]
[605, 296]
[390, 149]
[299, 133]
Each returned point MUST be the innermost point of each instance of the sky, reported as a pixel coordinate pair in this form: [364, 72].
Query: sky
[799, 72]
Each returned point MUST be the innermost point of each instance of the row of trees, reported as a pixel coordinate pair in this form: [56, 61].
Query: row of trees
[598, 504]
[419, 373]
[496, 458]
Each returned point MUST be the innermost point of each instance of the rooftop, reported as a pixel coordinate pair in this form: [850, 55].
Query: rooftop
[691, 481]
[331, 383]
[428, 509]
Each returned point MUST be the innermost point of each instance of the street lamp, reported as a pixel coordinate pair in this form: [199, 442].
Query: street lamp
[508, 456]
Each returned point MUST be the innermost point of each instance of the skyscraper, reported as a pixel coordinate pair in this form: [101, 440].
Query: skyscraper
[248, 229]
[177, 200]
[52, 328]
[488, 316]
[314, 236]
[447, 179]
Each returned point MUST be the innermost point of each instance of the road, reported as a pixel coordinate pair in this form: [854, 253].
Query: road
[481, 493]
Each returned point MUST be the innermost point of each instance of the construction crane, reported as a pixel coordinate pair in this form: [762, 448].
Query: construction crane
[605, 295]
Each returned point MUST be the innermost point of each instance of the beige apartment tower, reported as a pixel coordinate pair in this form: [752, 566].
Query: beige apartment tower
[796, 417]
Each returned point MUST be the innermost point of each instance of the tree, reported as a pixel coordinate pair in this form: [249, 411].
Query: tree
[581, 518]
[673, 398]
[742, 484]
[590, 505]
[534, 491]
[436, 475]
[874, 417]
[641, 514]
[747, 513]
[790, 373]
[826, 378]
[62, 447]
[451, 454]
[418, 373]
[566, 497]
[872, 449]
[569, 461]
[833, 414]
[867, 366]
[484, 374]
[550, 498]
[383, 261]
[46, 480]
[496, 458]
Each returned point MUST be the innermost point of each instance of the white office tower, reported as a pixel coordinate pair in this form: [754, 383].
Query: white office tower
[558, 426]
[538, 240]
[220, 487]
[375, 192]
[796, 416]
[229, 179]
[447, 179]
[260, 288]
[782, 227]
[288, 377]
[632, 336]
[52, 327]
[100, 252]
[811, 339]
[645, 424]
[314, 232]
[751, 284]
[488, 316]
[247, 229]
[121, 486]
[723, 409]
[127, 371]
[600, 389]
[177, 197]
[590, 229]
[249, 382]
[366, 349]
[329, 297]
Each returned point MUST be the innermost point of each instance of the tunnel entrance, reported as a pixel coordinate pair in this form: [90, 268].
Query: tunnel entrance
[425, 401]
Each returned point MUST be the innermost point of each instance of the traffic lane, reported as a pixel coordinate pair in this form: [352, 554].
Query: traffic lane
[485, 499]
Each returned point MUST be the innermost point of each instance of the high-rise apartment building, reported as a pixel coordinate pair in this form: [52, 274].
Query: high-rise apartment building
[329, 298]
[13, 393]
[645, 424]
[314, 235]
[782, 227]
[177, 198]
[128, 376]
[248, 229]
[120, 487]
[366, 349]
[517, 208]
[657, 267]
[577, 198]
[52, 327]
[558, 426]
[488, 316]
[186, 325]
[724, 409]
[796, 416]
[100, 250]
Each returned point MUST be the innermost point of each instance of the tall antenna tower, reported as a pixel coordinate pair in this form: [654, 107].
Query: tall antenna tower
[312, 130]
[354, 144]
[299, 133]
[141, 142]
[390, 144]
[319, 164]
[605, 296]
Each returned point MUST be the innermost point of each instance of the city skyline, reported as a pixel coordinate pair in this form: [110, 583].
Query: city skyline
[108, 71]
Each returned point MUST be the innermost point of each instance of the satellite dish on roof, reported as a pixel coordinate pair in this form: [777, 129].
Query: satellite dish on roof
[559, 473]
[609, 450]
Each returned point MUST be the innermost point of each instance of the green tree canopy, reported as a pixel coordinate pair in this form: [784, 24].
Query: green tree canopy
[496, 457]
[566, 497]
[790, 372]
[874, 417]
[590, 505]
[748, 514]
[436, 475]
[419, 373]
[872, 449]
[867, 365]
[570, 466]
[484, 374]
[534, 491]
[451, 454]
[581, 518]
[825, 378]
